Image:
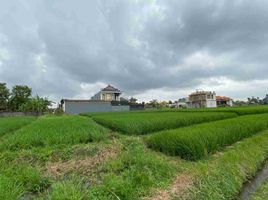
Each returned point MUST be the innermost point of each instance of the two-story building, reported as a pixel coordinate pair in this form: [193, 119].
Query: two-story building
[108, 93]
[202, 99]
[107, 100]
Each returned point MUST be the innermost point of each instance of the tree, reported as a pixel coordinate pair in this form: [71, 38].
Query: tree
[20, 95]
[133, 100]
[4, 96]
[36, 104]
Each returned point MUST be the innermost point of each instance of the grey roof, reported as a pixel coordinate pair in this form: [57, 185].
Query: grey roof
[111, 88]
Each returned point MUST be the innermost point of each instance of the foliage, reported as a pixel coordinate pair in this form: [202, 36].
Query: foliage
[36, 104]
[4, 96]
[20, 94]
[196, 142]
[147, 122]
[50, 130]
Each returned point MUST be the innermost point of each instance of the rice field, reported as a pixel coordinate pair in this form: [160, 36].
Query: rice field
[47, 131]
[243, 110]
[139, 123]
[196, 142]
[13, 123]
[126, 156]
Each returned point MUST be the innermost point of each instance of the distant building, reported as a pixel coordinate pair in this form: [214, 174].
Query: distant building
[109, 93]
[202, 99]
[182, 103]
[224, 101]
[107, 100]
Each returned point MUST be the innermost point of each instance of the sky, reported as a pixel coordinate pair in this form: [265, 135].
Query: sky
[150, 49]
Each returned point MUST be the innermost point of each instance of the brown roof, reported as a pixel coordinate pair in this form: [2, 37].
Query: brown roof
[223, 98]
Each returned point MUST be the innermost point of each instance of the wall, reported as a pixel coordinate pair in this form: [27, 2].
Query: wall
[120, 108]
[211, 103]
[82, 107]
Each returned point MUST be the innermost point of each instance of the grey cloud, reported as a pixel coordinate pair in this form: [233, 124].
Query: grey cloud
[136, 45]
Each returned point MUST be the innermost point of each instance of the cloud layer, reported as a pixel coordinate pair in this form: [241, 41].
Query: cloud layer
[151, 49]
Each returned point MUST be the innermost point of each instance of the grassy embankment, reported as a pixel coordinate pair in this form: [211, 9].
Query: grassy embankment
[222, 176]
[146, 122]
[196, 142]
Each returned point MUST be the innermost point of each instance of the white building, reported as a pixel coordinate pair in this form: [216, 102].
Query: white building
[202, 99]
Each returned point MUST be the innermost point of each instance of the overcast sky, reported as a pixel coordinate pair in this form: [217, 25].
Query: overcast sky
[150, 49]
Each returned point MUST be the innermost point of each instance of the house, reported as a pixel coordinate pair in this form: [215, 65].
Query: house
[108, 93]
[224, 101]
[107, 100]
[202, 99]
[182, 103]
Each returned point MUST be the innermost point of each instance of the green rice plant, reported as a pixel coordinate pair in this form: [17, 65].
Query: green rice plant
[9, 124]
[222, 176]
[196, 142]
[261, 193]
[147, 122]
[49, 130]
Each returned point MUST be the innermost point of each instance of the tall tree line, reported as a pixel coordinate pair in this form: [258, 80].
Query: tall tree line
[20, 98]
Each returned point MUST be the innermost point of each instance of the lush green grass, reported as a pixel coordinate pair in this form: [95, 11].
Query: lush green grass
[9, 124]
[261, 193]
[129, 176]
[222, 176]
[196, 142]
[48, 130]
[147, 122]
[133, 173]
